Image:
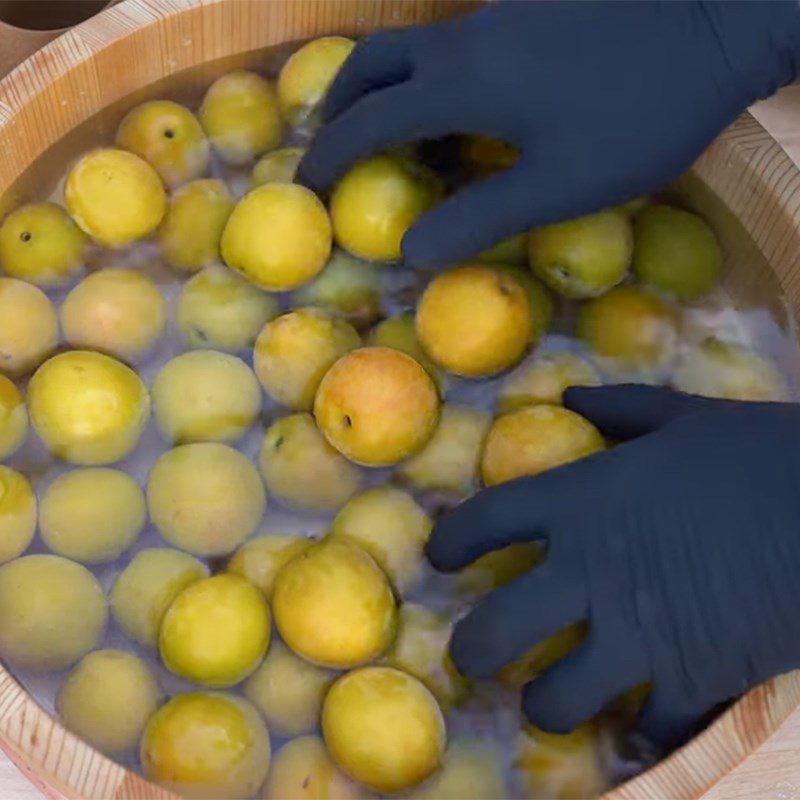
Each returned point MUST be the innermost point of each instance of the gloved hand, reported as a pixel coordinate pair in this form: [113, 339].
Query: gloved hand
[680, 547]
[605, 101]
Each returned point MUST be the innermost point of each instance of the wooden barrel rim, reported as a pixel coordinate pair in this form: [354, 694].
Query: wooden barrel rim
[745, 168]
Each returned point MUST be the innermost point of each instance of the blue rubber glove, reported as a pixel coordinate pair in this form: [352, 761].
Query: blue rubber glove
[605, 101]
[680, 547]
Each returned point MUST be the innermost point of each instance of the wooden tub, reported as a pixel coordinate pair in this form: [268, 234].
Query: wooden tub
[72, 94]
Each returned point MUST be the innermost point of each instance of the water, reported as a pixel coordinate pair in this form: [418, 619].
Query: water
[492, 713]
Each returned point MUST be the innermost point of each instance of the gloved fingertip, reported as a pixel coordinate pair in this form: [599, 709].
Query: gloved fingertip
[627, 410]
[468, 652]
[311, 173]
[541, 714]
[445, 548]
[422, 249]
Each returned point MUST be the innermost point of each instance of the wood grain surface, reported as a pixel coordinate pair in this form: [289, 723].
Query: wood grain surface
[746, 172]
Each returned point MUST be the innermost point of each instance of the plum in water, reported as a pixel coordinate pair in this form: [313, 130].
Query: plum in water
[205, 396]
[390, 525]
[217, 308]
[115, 196]
[17, 513]
[88, 408]
[474, 321]
[169, 137]
[146, 588]
[119, 312]
[676, 252]
[107, 699]
[30, 327]
[295, 350]
[191, 233]
[52, 612]
[302, 470]
[534, 439]
[205, 498]
[41, 244]
[216, 631]
[377, 406]
[377, 201]
[278, 236]
[583, 257]
[206, 745]
[306, 76]
[241, 117]
[92, 515]
[383, 728]
[13, 418]
[333, 605]
[288, 691]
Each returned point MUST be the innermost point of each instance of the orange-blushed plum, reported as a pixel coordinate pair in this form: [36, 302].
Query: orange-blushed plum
[450, 460]
[377, 201]
[294, 351]
[676, 252]
[145, 589]
[583, 257]
[288, 691]
[115, 197]
[88, 408]
[119, 312]
[92, 515]
[216, 631]
[206, 745]
[474, 321]
[40, 243]
[333, 605]
[191, 233]
[560, 766]
[302, 470]
[169, 137]
[303, 770]
[377, 406]
[13, 418]
[240, 116]
[498, 568]
[472, 770]
[205, 396]
[52, 612]
[278, 236]
[277, 166]
[392, 527]
[348, 287]
[534, 439]
[304, 79]
[259, 560]
[384, 728]
[18, 513]
[542, 656]
[205, 498]
[543, 380]
[220, 309]
[715, 368]
[107, 699]
[30, 327]
[421, 650]
[629, 328]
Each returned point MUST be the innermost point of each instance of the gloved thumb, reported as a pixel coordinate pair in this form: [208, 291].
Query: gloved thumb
[628, 410]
